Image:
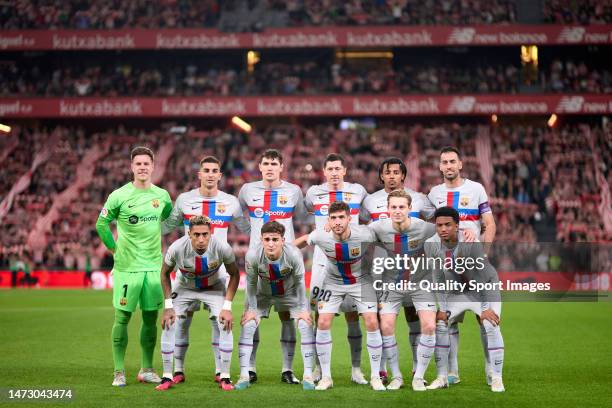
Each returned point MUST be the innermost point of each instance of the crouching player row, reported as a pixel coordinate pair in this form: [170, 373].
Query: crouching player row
[198, 257]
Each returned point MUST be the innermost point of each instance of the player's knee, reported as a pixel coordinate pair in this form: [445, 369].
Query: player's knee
[428, 327]
[122, 317]
[488, 327]
[149, 317]
[371, 321]
[189, 313]
[387, 326]
[324, 322]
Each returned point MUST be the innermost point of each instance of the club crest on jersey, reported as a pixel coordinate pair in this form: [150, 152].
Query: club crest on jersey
[285, 271]
[464, 201]
[123, 301]
[347, 197]
[414, 244]
[283, 200]
[221, 208]
[355, 252]
[213, 265]
[155, 203]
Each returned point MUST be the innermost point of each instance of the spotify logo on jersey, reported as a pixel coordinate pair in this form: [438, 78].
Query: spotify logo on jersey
[133, 219]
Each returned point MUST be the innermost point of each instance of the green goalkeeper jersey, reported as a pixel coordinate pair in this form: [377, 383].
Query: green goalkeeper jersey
[139, 214]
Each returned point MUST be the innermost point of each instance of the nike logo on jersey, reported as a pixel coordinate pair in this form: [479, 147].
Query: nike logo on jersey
[256, 199]
[131, 205]
[441, 202]
[430, 305]
[380, 206]
[195, 208]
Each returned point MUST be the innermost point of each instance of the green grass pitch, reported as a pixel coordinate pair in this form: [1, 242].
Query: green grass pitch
[557, 354]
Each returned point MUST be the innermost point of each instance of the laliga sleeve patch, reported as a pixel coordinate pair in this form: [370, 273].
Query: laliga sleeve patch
[104, 212]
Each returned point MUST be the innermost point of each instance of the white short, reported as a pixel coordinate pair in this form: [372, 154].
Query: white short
[317, 278]
[288, 303]
[392, 301]
[362, 295]
[457, 305]
[186, 298]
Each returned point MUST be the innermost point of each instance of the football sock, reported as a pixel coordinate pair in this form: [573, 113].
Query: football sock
[119, 337]
[214, 336]
[354, 338]
[495, 344]
[148, 337]
[307, 346]
[324, 350]
[414, 331]
[226, 346]
[287, 341]
[253, 359]
[485, 348]
[453, 332]
[374, 344]
[181, 342]
[442, 348]
[167, 350]
[425, 350]
[390, 351]
[245, 346]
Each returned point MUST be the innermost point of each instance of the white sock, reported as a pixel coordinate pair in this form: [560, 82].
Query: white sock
[453, 332]
[253, 359]
[167, 350]
[354, 338]
[495, 344]
[226, 347]
[215, 344]
[390, 351]
[181, 342]
[245, 346]
[442, 348]
[324, 350]
[307, 341]
[485, 348]
[425, 350]
[414, 331]
[374, 344]
[287, 341]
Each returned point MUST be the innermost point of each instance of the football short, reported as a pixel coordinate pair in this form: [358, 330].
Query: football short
[317, 278]
[361, 295]
[393, 301]
[288, 303]
[456, 306]
[212, 299]
[133, 288]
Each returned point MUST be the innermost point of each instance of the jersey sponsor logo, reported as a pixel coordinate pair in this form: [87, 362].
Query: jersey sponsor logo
[259, 213]
[133, 219]
[149, 218]
[324, 209]
[155, 203]
[383, 216]
[104, 212]
[464, 201]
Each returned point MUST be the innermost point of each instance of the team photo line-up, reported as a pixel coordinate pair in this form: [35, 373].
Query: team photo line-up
[346, 221]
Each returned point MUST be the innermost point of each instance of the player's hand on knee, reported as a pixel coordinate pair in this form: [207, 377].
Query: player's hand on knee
[168, 319]
[248, 315]
[227, 319]
[305, 316]
[490, 316]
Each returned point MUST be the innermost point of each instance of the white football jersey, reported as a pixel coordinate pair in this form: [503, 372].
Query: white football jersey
[278, 204]
[344, 258]
[279, 277]
[469, 199]
[197, 271]
[319, 197]
[375, 205]
[221, 209]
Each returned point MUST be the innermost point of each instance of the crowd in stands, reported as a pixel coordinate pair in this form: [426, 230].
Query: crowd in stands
[297, 78]
[537, 172]
[577, 12]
